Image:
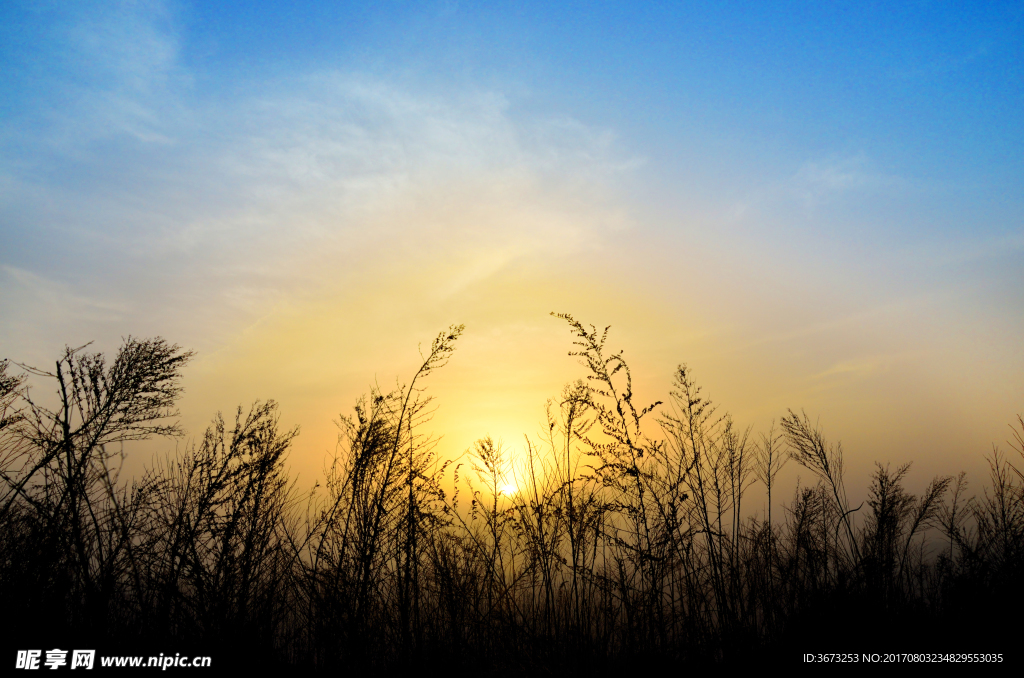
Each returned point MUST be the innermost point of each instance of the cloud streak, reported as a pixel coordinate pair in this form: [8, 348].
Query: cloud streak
[242, 202]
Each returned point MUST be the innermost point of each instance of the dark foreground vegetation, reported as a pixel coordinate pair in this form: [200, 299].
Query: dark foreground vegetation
[626, 543]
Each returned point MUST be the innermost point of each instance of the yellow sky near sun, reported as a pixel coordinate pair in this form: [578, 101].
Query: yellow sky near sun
[319, 356]
[499, 258]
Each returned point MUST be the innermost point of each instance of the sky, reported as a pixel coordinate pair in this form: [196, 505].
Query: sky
[814, 206]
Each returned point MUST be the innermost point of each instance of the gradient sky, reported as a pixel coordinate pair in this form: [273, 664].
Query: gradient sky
[813, 205]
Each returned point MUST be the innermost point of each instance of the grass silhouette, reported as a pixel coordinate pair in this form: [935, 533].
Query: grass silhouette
[617, 548]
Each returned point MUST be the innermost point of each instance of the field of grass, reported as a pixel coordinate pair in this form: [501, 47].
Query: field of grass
[620, 540]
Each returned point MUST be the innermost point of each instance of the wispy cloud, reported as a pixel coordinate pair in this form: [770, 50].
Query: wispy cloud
[288, 187]
[104, 71]
[819, 183]
[35, 308]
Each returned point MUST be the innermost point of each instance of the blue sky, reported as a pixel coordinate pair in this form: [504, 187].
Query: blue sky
[814, 204]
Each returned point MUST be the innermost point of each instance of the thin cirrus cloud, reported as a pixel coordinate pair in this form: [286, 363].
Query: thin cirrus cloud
[249, 198]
